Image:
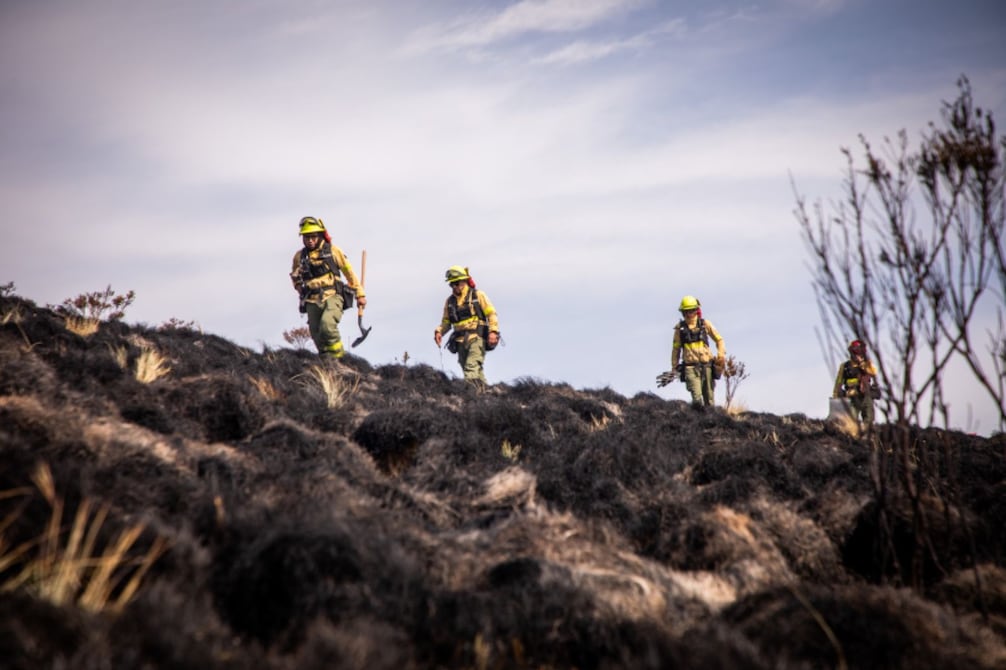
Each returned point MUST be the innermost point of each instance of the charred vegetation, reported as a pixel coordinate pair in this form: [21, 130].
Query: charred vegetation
[292, 513]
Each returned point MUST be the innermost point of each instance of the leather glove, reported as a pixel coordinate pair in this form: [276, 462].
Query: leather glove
[665, 378]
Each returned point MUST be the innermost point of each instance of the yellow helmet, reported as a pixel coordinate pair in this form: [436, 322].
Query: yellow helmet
[310, 224]
[689, 302]
[456, 273]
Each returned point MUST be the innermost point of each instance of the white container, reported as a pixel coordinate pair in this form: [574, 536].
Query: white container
[839, 409]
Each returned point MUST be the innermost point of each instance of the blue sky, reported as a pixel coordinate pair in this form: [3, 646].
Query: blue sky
[591, 161]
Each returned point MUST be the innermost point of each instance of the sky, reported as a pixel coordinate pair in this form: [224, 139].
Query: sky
[590, 161]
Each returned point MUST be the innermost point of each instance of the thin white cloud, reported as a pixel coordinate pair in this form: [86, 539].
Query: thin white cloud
[585, 51]
[524, 17]
[188, 164]
[817, 7]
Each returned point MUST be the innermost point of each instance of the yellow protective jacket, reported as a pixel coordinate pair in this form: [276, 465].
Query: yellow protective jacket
[851, 378]
[465, 313]
[691, 343]
[316, 273]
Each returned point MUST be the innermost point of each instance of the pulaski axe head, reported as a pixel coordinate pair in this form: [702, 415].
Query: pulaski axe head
[359, 310]
[363, 331]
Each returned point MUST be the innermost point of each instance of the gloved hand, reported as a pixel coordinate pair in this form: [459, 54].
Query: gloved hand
[665, 378]
[719, 365]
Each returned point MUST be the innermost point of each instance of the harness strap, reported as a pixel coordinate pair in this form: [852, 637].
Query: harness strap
[474, 308]
[337, 287]
[325, 255]
[688, 339]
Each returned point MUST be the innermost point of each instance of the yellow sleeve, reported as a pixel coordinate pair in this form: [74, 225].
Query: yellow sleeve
[838, 381]
[445, 320]
[721, 347]
[347, 270]
[489, 310]
[676, 347]
[295, 272]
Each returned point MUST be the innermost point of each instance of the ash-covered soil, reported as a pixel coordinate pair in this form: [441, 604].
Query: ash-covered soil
[420, 524]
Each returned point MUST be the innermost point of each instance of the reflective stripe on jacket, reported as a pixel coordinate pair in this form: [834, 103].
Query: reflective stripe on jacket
[461, 314]
[691, 345]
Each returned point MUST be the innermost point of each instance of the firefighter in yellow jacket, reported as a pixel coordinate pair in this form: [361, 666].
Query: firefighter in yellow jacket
[324, 296]
[473, 322]
[854, 381]
[691, 355]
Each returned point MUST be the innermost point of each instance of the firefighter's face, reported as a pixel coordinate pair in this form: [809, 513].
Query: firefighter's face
[457, 286]
[312, 240]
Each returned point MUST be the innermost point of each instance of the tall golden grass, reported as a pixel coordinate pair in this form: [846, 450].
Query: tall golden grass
[151, 365]
[327, 381]
[15, 316]
[67, 566]
[264, 387]
[82, 325]
[510, 451]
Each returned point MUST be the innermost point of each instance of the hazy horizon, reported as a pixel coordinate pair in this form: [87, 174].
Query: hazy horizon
[591, 161]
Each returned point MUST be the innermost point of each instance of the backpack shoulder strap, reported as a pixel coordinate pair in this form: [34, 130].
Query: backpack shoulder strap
[476, 304]
[326, 255]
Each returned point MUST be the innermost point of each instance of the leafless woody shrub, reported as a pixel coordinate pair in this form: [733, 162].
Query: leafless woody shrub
[734, 372]
[84, 312]
[299, 338]
[923, 289]
[912, 262]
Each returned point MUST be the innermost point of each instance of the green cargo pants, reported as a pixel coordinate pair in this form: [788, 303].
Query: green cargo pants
[698, 380]
[323, 322]
[471, 358]
[863, 406]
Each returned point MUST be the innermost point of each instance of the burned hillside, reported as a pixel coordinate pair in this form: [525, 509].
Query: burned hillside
[171, 499]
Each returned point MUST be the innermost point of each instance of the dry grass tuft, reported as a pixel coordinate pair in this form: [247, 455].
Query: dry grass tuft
[82, 325]
[511, 452]
[66, 567]
[84, 312]
[151, 365]
[327, 382]
[735, 409]
[14, 315]
[846, 425]
[264, 387]
[120, 355]
[11, 315]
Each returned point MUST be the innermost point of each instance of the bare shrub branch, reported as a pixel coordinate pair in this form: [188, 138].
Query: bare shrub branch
[915, 286]
[299, 338]
[734, 372]
[86, 311]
